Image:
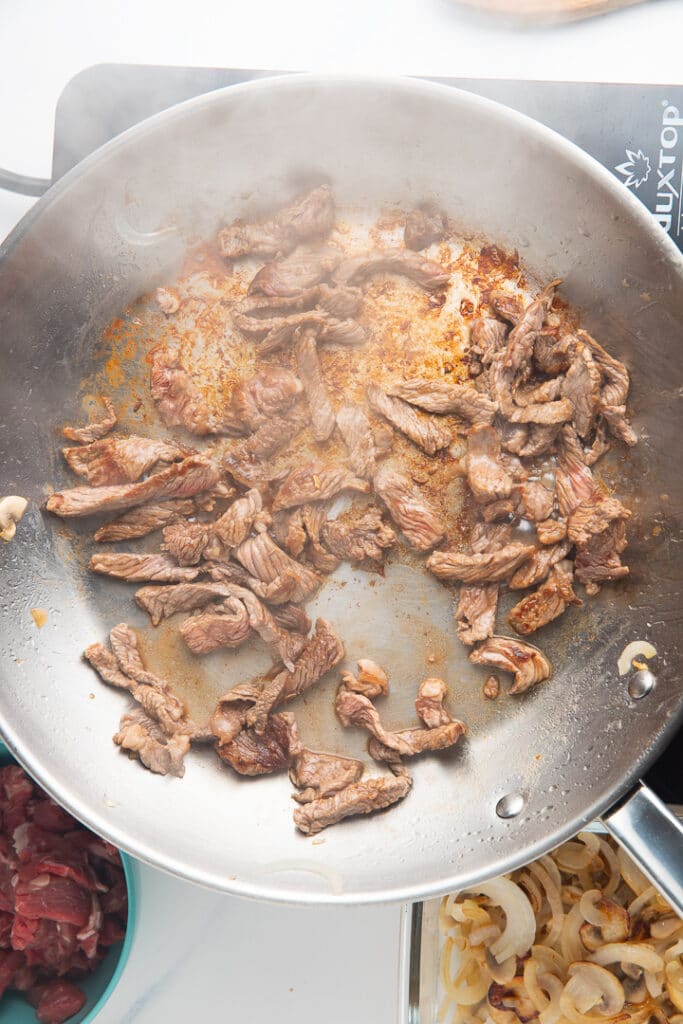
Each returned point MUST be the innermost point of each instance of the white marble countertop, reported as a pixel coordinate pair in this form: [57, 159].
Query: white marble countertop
[198, 955]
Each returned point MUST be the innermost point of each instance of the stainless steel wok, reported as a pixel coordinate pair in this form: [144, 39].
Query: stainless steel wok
[554, 759]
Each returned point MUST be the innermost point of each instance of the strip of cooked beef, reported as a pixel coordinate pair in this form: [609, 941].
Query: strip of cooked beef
[475, 612]
[522, 337]
[292, 617]
[551, 531]
[601, 443]
[93, 431]
[355, 709]
[141, 735]
[308, 367]
[162, 602]
[428, 274]
[614, 391]
[228, 719]
[359, 798]
[593, 517]
[225, 624]
[342, 303]
[256, 315]
[505, 509]
[552, 353]
[189, 542]
[582, 387]
[316, 482]
[310, 216]
[180, 480]
[293, 274]
[185, 542]
[488, 567]
[371, 679]
[540, 439]
[409, 508]
[254, 402]
[535, 393]
[330, 331]
[574, 481]
[487, 478]
[487, 337]
[279, 591]
[320, 775]
[168, 300]
[322, 652]
[179, 400]
[615, 418]
[285, 646]
[424, 225]
[536, 502]
[438, 396]
[143, 520]
[599, 560]
[513, 436]
[138, 568]
[115, 460]
[265, 561]
[313, 520]
[547, 603]
[506, 305]
[289, 531]
[359, 439]
[251, 753]
[527, 663]
[359, 534]
[543, 413]
[429, 705]
[538, 564]
[245, 461]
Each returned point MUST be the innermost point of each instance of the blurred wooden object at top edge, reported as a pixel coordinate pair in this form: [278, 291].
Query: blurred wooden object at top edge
[548, 10]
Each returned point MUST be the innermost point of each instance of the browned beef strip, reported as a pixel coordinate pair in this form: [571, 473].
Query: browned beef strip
[250, 753]
[220, 625]
[279, 591]
[409, 508]
[313, 519]
[538, 565]
[141, 735]
[308, 367]
[551, 531]
[253, 403]
[486, 475]
[546, 603]
[235, 525]
[285, 646]
[162, 602]
[134, 568]
[599, 560]
[185, 542]
[265, 561]
[582, 387]
[292, 617]
[536, 502]
[181, 480]
[179, 400]
[359, 439]
[553, 354]
[331, 330]
[506, 305]
[540, 439]
[143, 520]
[601, 443]
[257, 316]
[527, 663]
[424, 225]
[536, 393]
[522, 337]
[505, 509]
[544, 413]
[615, 417]
[359, 534]
[574, 481]
[438, 396]
[289, 531]
[429, 705]
[311, 216]
[487, 336]
[359, 798]
[316, 482]
[424, 430]
[475, 612]
[246, 460]
[615, 388]
[291, 275]
[336, 331]
[115, 460]
[429, 274]
[593, 517]
[320, 775]
[513, 436]
[342, 303]
[93, 431]
[479, 568]
[355, 709]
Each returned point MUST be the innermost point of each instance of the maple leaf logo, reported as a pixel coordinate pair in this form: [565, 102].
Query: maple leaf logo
[636, 169]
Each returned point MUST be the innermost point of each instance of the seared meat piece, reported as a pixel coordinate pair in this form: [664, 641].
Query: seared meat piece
[439, 396]
[520, 343]
[341, 303]
[506, 305]
[536, 502]
[330, 330]
[253, 403]
[93, 431]
[513, 436]
[358, 798]
[308, 366]
[424, 431]
[544, 413]
[250, 753]
[185, 542]
[228, 720]
[133, 568]
[320, 775]
[358, 535]
[162, 602]
[322, 652]
[283, 316]
[537, 394]
[285, 646]
[409, 508]
[234, 526]
[615, 417]
[582, 387]
[491, 688]
[168, 300]
[178, 400]
[573, 479]
[355, 428]
[601, 443]
[424, 225]
[292, 275]
[487, 337]
[355, 709]
[316, 482]
[292, 617]
[289, 531]
[278, 591]
[540, 439]
[429, 274]
[475, 612]
[141, 735]
[431, 694]
[115, 460]
[547, 603]
[527, 663]
[181, 480]
[220, 625]
[372, 681]
[504, 509]
[245, 461]
[313, 519]
[143, 520]
[598, 561]
[590, 518]
[551, 531]
[553, 355]
[486, 476]
[614, 391]
[265, 561]
[479, 568]
[308, 217]
[539, 564]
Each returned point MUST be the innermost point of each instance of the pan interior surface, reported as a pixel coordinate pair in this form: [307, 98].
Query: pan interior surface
[118, 225]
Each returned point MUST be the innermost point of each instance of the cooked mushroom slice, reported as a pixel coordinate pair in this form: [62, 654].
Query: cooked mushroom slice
[12, 509]
[606, 920]
[527, 663]
[512, 998]
[591, 987]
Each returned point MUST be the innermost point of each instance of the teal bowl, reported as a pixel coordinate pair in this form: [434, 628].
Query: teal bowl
[99, 986]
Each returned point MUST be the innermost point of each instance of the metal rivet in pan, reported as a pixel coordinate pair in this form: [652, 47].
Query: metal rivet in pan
[641, 683]
[510, 805]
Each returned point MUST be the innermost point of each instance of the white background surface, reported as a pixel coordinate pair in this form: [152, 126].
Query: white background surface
[198, 956]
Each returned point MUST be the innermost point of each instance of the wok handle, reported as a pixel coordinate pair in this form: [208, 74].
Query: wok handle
[653, 836]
